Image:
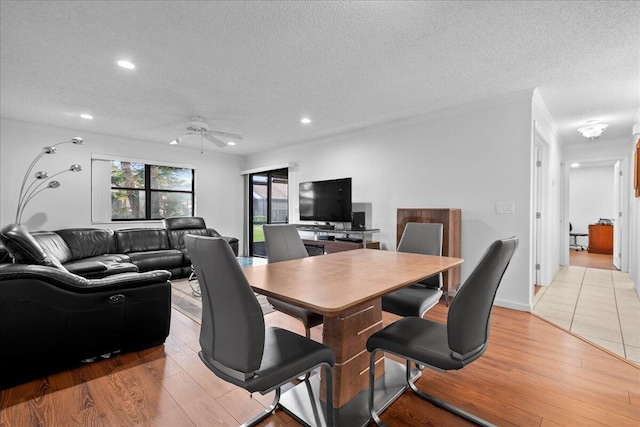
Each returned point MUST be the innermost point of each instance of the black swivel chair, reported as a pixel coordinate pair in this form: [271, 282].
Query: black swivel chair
[453, 345]
[573, 243]
[283, 243]
[235, 345]
[417, 299]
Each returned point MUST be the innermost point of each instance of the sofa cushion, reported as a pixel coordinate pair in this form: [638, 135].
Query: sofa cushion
[24, 248]
[141, 240]
[53, 244]
[177, 227]
[89, 242]
[157, 260]
[183, 223]
[176, 237]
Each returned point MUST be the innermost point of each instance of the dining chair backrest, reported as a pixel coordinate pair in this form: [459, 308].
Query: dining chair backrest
[470, 312]
[423, 238]
[232, 333]
[283, 242]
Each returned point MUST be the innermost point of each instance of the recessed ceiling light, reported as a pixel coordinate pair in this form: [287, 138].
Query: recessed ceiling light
[305, 120]
[174, 142]
[126, 64]
[575, 165]
[86, 116]
[231, 143]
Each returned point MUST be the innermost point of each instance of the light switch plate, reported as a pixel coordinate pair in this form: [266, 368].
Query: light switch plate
[505, 207]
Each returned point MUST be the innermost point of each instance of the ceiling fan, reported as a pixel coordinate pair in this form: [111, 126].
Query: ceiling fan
[198, 127]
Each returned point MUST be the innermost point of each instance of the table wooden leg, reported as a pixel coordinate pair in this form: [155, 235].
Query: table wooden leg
[347, 336]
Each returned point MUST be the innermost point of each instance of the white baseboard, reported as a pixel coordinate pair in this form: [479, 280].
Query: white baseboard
[513, 305]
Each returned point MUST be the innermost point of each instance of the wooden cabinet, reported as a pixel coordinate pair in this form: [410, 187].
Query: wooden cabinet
[601, 239]
[450, 219]
[332, 246]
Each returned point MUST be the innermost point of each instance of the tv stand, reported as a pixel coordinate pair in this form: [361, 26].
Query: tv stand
[333, 246]
[348, 239]
[344, 239]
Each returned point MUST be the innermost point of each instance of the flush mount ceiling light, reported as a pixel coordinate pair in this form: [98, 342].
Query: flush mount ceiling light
[593, 129]
[126, 64]
[575, 165]
[86, 116]
[231, 143]
[305, 120]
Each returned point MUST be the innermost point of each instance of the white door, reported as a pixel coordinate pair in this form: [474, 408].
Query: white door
[617, 216]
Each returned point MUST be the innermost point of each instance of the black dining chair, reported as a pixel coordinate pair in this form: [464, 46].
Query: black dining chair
[417, 299]
[283, 243]
[235, 345]
[453, 345]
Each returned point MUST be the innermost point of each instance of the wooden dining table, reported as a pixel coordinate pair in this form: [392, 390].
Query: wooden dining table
[346, 288]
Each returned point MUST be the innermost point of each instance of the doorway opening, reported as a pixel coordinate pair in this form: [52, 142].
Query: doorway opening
[595, 211]
[268, 204]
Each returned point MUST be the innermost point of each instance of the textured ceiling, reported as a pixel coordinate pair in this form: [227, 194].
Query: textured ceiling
[256, 68]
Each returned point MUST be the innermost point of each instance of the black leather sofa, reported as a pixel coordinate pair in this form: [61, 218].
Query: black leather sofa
[100, 252]
[51, 319]
[81, 293]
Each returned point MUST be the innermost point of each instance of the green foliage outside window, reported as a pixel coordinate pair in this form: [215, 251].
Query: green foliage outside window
[140, 191]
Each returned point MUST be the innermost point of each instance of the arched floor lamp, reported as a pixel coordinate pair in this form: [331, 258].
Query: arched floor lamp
[41, 178]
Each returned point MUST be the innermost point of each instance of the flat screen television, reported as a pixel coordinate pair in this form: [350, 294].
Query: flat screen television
[328, 200]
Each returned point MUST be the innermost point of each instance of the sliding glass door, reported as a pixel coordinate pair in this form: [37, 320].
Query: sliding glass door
[268, 204]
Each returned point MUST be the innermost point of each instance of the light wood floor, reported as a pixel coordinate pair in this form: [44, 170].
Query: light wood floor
[586, 259]
[533, 374]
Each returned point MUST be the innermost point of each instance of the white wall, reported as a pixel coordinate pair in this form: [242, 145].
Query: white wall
[469, 157]
[219, 185]
[591, 197]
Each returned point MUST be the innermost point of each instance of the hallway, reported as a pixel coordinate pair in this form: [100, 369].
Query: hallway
[600, 305]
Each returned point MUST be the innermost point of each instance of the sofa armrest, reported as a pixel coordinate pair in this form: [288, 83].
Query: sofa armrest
[232, 241]
[78, 284]
[82, 268]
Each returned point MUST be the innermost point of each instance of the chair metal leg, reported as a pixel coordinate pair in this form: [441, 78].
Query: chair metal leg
[255, 420]
[329, 385]
[372, 380]
[306, 376]
[195, 290]
[411, 384]
[477, 420]
[446, 298]
[329, 396]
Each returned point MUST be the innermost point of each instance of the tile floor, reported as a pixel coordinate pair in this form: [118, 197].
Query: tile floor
[599, 305]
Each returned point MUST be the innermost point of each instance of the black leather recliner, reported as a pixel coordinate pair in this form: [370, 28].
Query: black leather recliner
[179, 226]
[51, 319]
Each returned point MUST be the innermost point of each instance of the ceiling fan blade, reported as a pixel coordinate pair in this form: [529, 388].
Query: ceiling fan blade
[215, 140]
[227, 134]
[184, 138]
